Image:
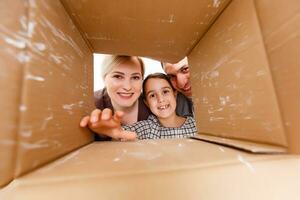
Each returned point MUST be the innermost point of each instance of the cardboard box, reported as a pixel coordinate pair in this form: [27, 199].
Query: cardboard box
[243, 58]
[43, 56]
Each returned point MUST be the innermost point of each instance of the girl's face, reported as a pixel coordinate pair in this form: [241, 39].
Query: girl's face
[124, 84]
[160, 97]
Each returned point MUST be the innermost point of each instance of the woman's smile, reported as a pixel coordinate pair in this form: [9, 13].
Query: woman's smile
[125, 95]
[124, 84]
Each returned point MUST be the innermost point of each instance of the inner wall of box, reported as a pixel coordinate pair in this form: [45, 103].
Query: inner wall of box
[245, 71]
[244, 86]
[233, 93]
[236, 89]
[47, 84]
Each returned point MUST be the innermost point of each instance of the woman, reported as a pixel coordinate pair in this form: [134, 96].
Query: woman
[123, 78]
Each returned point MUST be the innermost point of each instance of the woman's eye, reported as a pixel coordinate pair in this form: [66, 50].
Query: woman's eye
[117, 76]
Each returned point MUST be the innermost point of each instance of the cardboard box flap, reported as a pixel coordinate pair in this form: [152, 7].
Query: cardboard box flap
[233, 90]
[280, 25]
[50, 68]
[163, 30]
[252, 147]
[12, 54]
[160, 169]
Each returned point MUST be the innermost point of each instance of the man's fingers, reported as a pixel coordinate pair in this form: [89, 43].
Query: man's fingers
[106, 114]
[84, 121]
[95, 115]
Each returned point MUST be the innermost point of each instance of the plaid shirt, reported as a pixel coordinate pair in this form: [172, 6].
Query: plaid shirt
[152, 129]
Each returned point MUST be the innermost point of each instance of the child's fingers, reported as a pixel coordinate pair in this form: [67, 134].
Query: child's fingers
[95, 115]
[84, 121]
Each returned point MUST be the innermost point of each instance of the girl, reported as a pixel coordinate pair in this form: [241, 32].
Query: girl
[160, 96]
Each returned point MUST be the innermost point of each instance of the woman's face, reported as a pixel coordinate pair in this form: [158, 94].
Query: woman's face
[124, 83]
[160, 97]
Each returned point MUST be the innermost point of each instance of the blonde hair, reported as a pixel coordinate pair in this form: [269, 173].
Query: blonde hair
[111, 61]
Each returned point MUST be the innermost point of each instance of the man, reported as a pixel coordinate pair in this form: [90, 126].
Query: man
[179, 74]
[104, 121]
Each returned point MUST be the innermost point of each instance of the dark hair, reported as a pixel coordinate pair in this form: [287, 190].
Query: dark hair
[162, 65]
[159, 76]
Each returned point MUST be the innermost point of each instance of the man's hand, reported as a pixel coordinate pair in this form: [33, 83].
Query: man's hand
[104, 123]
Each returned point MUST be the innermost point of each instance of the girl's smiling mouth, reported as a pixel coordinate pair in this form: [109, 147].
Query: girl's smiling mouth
[163, 107]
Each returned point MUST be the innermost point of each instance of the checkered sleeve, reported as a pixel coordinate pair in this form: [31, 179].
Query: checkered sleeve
[188, 129]
[152, 129]
[146, 129]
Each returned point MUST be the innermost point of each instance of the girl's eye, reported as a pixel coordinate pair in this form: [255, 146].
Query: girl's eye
[166, 91]
[151, 96]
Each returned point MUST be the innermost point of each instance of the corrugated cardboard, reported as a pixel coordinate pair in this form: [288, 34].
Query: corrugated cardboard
[11, 54]
[253, 147]
[44, 47]
[280, 25]
[158, 29]
[160, 169]
[54, 97]
[232, 86]
[240, 90]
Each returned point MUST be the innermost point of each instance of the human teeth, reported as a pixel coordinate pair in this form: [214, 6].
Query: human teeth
[125, 94]
[163, 107]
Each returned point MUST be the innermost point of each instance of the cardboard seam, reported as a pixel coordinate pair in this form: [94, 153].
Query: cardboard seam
[270, 71]
[182, 169]
[24, 173]
[211, 24]
[243, 139]
[21, 96]
[285, 145]
[241, 146]
[77, 25]
[24, 69]
[14, 153]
